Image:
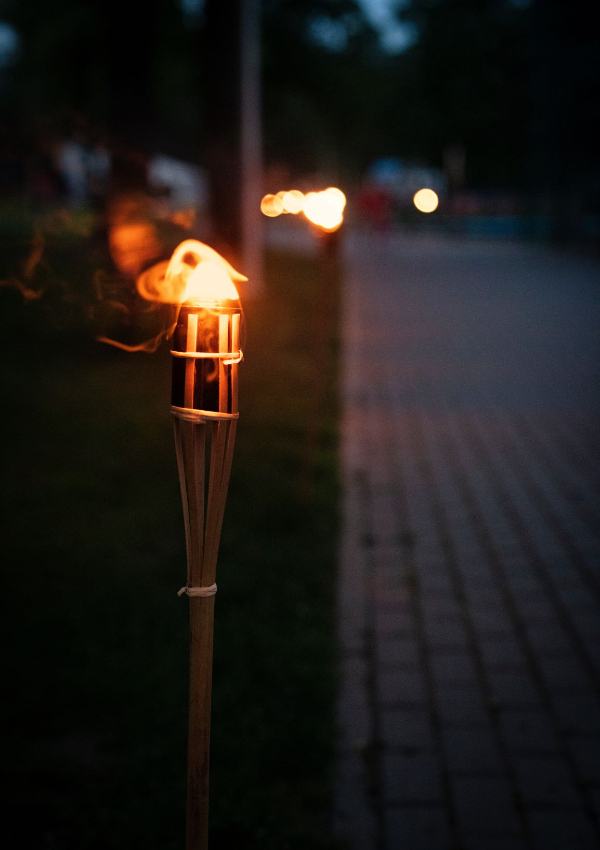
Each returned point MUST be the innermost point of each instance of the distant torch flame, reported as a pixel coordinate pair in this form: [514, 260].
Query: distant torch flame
[271, 206]
[324, 209]
[195, 274]
[293, 201]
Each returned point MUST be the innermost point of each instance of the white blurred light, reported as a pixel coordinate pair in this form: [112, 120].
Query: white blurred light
[426, 200]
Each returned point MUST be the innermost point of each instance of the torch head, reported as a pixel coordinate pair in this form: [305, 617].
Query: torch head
[206, 355]
[206, 342]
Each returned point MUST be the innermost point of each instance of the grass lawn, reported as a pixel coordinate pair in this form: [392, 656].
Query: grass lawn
[93, 554]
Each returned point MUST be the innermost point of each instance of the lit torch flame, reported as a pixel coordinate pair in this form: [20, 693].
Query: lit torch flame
[195, 274]
[293, 201]
[325, 209]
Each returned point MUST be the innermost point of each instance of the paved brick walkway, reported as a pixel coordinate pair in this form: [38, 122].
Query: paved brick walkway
[469, 592]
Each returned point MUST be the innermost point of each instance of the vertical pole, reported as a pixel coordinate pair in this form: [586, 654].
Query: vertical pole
[192, 440]
[222, 120]
[201, 655]
[251, 143]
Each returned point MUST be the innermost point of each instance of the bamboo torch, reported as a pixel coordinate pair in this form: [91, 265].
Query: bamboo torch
[206, 354]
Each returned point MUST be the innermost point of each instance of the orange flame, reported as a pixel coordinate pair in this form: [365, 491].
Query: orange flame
[293, 201]
[325, 209]
[195, 274]
[271, 206]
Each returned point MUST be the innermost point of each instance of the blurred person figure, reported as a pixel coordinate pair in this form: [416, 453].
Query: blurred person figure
[375, 204]
[98, 168]
[71, 161]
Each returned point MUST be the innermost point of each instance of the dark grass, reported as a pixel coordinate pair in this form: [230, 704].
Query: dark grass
[95, 637]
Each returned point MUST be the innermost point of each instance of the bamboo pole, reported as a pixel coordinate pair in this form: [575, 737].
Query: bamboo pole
[190, 366]
[204, 443]
[201, 614]
[191, 441]
[201, 656]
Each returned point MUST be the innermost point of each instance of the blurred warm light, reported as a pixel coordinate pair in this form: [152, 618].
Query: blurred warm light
[325, 209]
[337, 196]
[185, 218]
[426, 200]
[195, 274]
[132, 245]
[271, 206]
[293, 201]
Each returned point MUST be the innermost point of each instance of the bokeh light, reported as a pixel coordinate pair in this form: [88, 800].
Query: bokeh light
[271, 206]
[293, 201]
[325, 209]
[426, 200]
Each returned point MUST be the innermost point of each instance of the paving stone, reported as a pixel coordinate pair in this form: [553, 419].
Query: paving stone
[528, 731]
[595, 797]
[563, 672]
[397, 597]
[472, 751]
[545, 781]
[350, 634]
[501, 652]
[397, 650]
[578, 713]
[407, 369]
[354, 820]
[481, 592]
[411, 778]
[491, 620]
[561, 830]
[585, 752]
[440, 608]
[407, 728]
[353, 713]
[437, 583]
[397, 685]
[548, 637]
[456, 668]
[392, 620]
[485, 806]
[539, 609]
[513, 689]
[462, 706]
[386, 585]
[488, 842]
[445, 632]
[477, 577]
[417, 828]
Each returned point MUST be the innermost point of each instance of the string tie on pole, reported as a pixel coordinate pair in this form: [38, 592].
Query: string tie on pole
[186, 590]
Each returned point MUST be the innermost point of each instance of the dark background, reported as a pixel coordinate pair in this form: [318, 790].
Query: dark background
[513, 85]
